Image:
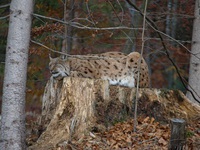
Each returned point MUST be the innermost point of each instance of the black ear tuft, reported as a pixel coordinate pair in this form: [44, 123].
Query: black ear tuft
[63, 57]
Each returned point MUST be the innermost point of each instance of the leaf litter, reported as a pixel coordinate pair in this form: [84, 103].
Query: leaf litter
[150, 134]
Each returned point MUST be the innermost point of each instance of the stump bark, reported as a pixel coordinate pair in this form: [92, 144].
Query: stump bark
[178, 135]
[78, 106]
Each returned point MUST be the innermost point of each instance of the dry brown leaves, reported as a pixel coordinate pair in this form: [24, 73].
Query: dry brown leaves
[150, 135]
[55, 27]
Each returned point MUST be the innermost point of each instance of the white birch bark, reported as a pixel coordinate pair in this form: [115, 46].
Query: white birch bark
[194, 73]
[13, 105]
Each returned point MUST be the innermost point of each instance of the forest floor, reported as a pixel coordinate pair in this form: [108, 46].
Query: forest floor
[149, 134]
[113, 126]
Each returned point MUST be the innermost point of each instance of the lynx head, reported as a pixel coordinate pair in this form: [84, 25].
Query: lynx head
[59, 67]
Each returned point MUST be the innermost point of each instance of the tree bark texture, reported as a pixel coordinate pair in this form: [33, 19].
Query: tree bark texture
[194, 73]
[70, 28]
[69, 13]
[77, 106]
[13, 105]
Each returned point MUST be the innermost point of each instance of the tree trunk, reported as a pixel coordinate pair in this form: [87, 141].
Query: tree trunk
[168, 18]
[70, 28]
[13, 105]
[168, 31]
[178, 135]
[130, 45]
[194, 73]
[68, 16]
[174, 20]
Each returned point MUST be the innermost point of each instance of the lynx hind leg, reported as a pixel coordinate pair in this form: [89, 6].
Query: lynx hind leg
[133, 61]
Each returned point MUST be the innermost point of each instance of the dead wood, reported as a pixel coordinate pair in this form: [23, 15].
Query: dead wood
[78, 106]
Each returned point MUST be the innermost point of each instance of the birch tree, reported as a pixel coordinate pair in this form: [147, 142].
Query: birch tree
[13, 105]
[194, 73]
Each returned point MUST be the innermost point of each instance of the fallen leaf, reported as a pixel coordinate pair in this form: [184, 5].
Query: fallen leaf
[162, 141]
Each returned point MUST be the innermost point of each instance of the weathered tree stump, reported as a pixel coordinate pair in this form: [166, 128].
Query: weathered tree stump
[178, 138]
[77, 106]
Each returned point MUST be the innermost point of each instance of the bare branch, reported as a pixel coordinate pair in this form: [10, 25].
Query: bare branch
[7, 16]
[177, 41]
[6, 5]
[81, 26]
[120, 20]
[122, 10]
[89, 13]
[166, 50]
[139, 66]
[50, 49]
[74, 56]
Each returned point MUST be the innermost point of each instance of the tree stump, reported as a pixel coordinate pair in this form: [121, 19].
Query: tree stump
[177, 139]
[75, 107]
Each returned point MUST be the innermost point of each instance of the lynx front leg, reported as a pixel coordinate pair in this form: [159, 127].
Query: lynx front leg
[76, 74]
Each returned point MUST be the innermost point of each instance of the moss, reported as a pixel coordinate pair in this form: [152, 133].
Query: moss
[189, 134]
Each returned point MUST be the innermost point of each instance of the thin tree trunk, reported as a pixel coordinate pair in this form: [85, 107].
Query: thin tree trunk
[136, 21]
[68, 16]
[168, 31]
[168, 18]
[130, 45]
[64, 43]
[70, 28]
[174, 20]
[194, 74]
[171, 23]
[13, 106]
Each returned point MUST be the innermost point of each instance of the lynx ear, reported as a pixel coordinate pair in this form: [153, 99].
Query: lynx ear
[50, 58]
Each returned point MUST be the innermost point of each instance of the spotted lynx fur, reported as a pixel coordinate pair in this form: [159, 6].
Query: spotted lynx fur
[117, 68]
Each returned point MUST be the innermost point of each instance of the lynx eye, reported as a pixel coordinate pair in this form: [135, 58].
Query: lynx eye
[66, 74]
[54, 72]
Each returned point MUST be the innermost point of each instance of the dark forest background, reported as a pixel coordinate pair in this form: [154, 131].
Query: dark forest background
[174, 18]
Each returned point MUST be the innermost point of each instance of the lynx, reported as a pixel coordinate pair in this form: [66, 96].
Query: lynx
[117, 68]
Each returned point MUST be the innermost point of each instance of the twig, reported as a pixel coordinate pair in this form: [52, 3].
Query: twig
[145, 141]
[4, 17]
[120, 20]
[166, 50]
[155, 28]
[122, 11]
[177, 41]
[73, 56]
[139, 66]
[6, 5]
[89, 13]
[81, 26]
